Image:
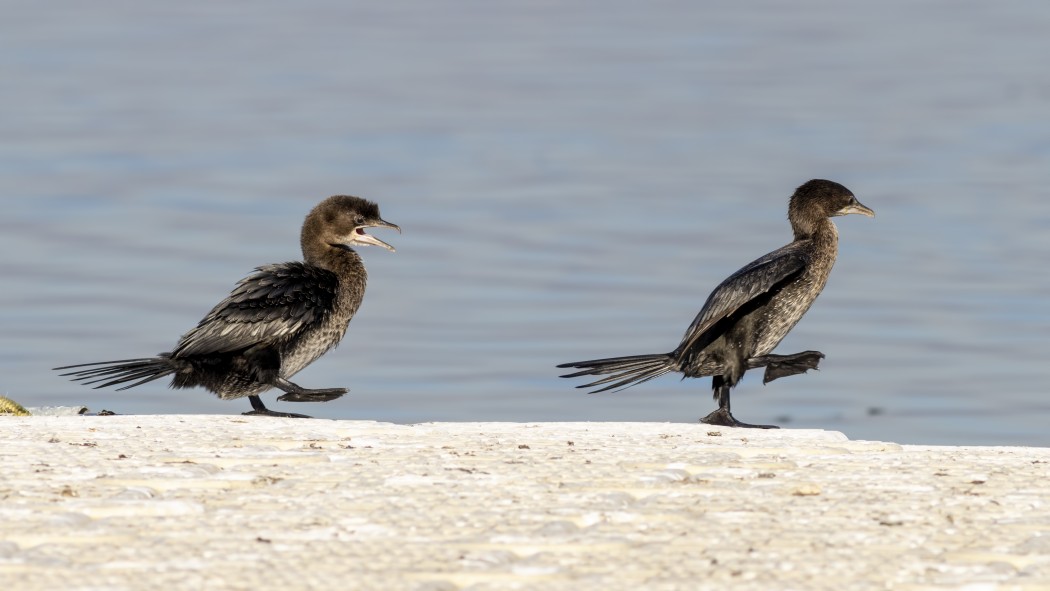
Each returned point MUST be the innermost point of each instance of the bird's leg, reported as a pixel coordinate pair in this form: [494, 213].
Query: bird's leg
[723, 416]
[266, 365]
[296, 393]
[259, 409]
[779, 366]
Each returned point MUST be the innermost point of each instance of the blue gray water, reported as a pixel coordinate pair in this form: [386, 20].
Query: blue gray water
[572, 179]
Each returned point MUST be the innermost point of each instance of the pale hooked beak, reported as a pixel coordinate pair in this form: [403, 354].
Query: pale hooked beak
[359, 236]
[856, 207]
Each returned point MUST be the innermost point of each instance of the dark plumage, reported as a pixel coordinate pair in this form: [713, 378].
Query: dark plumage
[274, 323]
[750, 312]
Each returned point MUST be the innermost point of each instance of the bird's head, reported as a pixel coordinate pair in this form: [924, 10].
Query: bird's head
[340, 221]
[820, 199]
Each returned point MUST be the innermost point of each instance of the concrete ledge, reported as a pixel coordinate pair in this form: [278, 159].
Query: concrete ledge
[220, 502]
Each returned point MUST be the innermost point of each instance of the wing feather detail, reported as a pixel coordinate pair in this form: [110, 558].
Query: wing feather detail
[751, 281]
[269, 306]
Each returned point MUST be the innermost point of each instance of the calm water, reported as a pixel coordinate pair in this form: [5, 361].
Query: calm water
[572, 181]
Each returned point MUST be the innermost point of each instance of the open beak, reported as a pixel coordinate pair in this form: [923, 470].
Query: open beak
[856, 207]
[359, 236]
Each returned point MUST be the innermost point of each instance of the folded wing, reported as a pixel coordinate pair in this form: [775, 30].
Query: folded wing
[754, 280]
[271, 306]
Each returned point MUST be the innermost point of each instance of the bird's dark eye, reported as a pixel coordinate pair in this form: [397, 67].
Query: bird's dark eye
[359, 220]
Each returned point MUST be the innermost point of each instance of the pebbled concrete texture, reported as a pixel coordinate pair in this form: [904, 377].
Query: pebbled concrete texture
[220, 502]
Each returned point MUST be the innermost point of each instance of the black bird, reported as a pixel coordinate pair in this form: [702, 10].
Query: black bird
[750, 312]
[274, 323]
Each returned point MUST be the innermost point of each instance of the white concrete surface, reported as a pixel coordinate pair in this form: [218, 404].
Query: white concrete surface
[229, 502]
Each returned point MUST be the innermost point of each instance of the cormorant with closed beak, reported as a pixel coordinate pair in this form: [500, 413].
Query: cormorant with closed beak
[749, 313]
[274, 323]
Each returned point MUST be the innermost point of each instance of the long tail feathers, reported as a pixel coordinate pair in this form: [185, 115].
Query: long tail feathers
[626, 371]
[138, 371]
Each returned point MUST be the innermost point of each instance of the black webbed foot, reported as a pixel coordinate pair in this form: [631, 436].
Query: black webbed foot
[273, 413]
[781, 366]
[320, 395]
[296, 393]
[724, 418]
[259, 409]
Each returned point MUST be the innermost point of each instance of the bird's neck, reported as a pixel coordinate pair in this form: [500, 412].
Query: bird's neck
[337, 258]
[823, 231]
[347, 265]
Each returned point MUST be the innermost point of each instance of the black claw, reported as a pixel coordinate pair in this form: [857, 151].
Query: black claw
[781, 366]
[724, 418]
[273, 413]
[259, 409]
[320, 395]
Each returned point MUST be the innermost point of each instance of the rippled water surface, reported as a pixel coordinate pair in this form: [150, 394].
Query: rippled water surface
[572, 180]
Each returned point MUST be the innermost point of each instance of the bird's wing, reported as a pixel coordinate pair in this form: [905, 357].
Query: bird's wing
[273, 304]
[754, 279]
